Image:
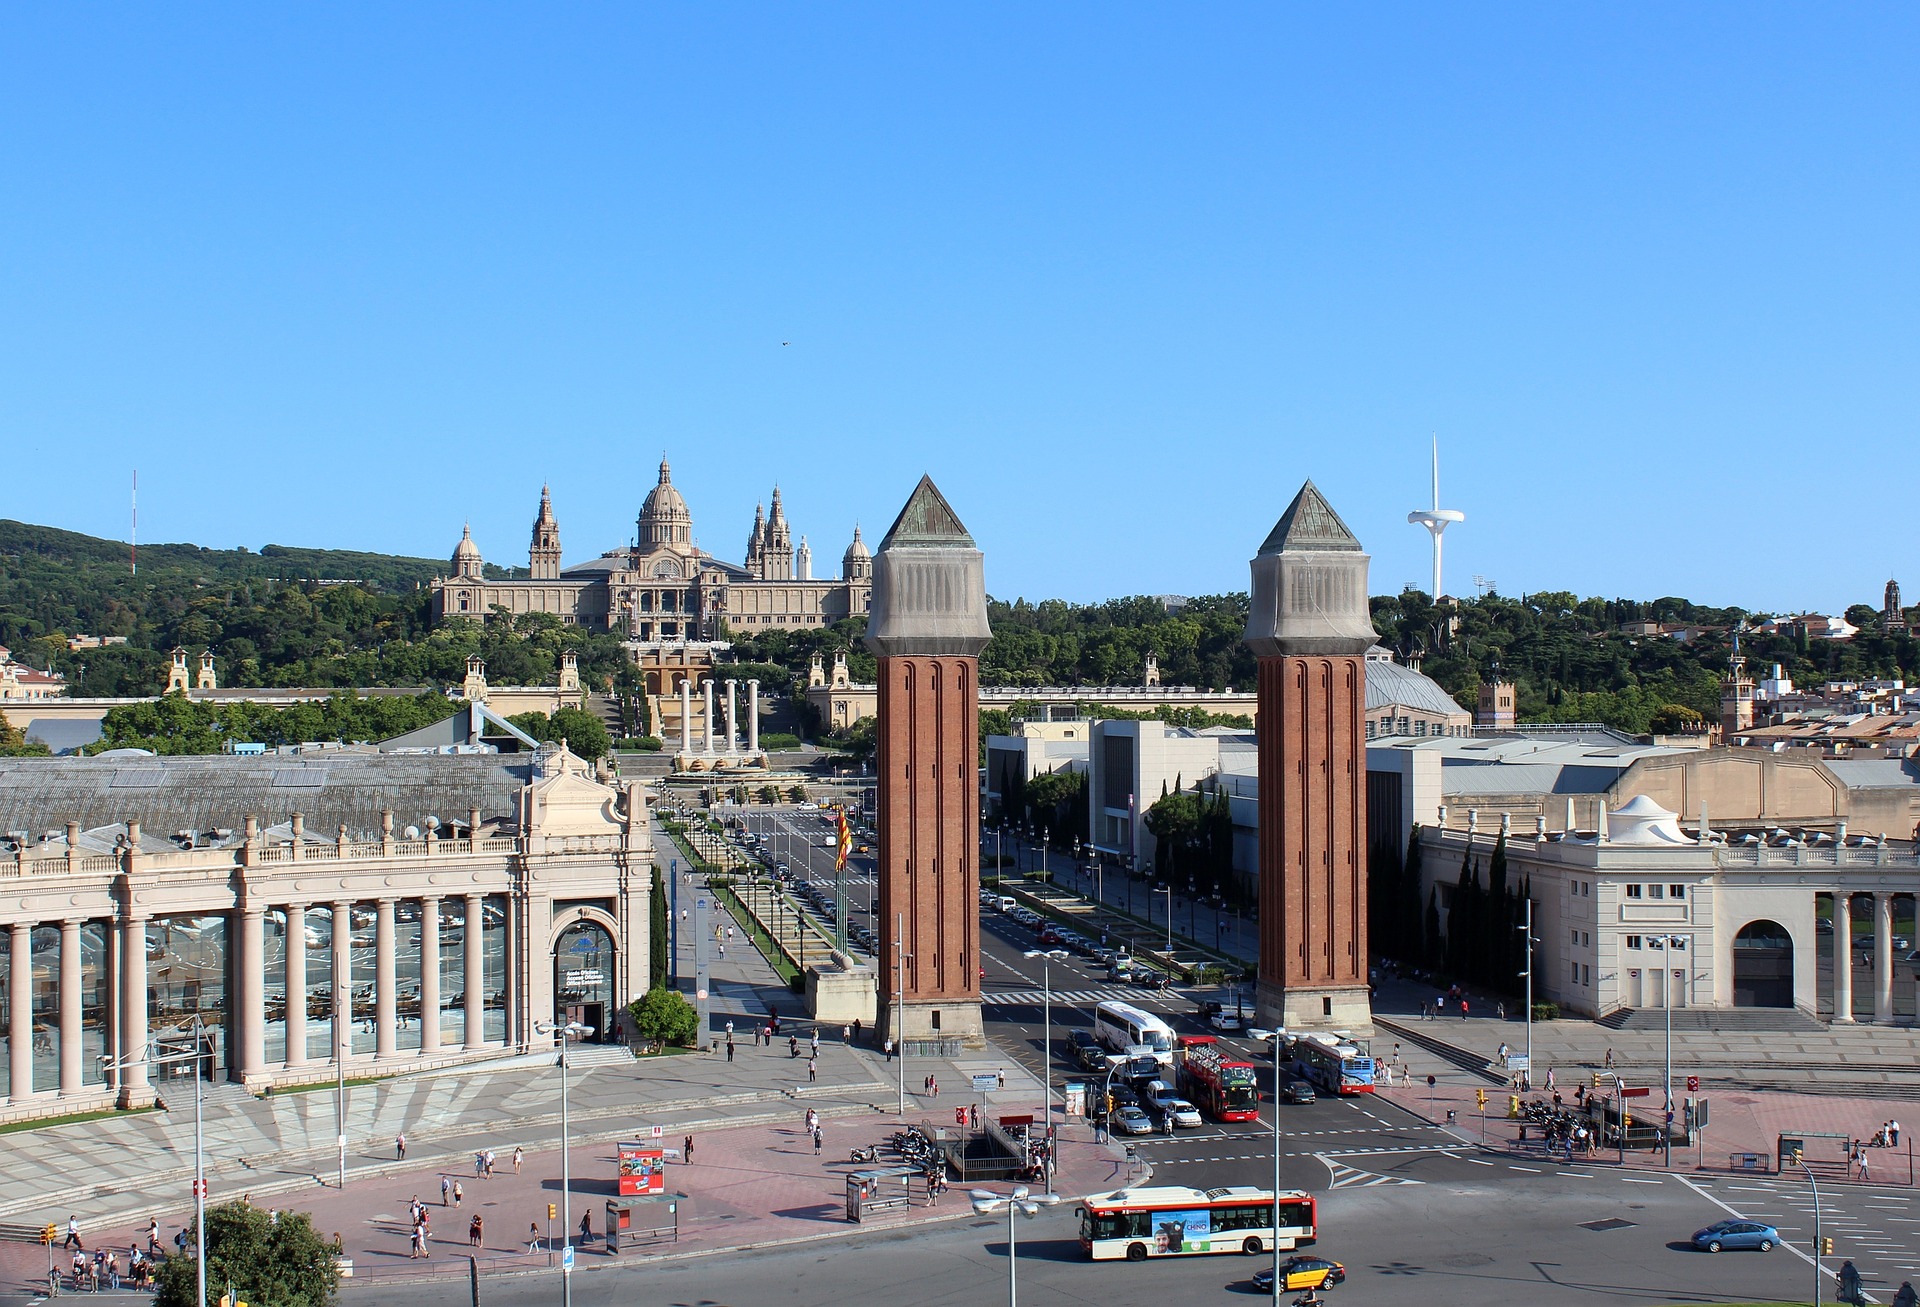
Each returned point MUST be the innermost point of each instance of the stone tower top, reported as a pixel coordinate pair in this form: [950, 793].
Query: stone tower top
[466, 555]
[1310, 585]
[543, 556]
[929, 583]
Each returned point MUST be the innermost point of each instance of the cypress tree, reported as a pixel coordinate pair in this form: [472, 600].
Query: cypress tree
[1412, 931]
[657, 933]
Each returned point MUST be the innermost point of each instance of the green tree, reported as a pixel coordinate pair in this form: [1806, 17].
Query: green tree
[797, 794]
[269, 1262]
[585, 734]
[664, 1014]
[768, 794]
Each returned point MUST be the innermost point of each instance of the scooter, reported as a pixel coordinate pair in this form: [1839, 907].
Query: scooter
[868, 1154]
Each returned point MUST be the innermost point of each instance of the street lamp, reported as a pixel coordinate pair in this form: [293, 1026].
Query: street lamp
[1275, 1036]
[1668, 944]
[568, 1032]
[987, 1203]
[1798, 1161]
[193, 1055]
[1526, 928]
[1168, 891]
[1047, 956]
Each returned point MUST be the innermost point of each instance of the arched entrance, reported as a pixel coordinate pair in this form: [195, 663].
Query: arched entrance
[583, 977]
[1763, 965]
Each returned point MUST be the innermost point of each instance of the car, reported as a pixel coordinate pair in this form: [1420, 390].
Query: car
[1091, 1058]
[1736, 1234]
[1079, 1039]
[1297, 1091]
[1131, 1120]
[1301, 1273]
[1207, 1008]
[1227, 1023]
[1183, 1114]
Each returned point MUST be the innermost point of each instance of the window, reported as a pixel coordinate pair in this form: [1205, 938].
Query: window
[1576, 936]
[1586, 887]
[1633, 941]
[1676, 891]
[1656, 891]
[1586, 974]
[1371, 728]
[1576, 972]
[1420, 727]
[1586, 940]
[1633, 891]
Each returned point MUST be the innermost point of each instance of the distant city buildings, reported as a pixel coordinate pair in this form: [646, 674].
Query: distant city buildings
[19, 681]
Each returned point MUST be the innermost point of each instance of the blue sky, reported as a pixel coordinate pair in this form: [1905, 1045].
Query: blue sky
[1119, 277]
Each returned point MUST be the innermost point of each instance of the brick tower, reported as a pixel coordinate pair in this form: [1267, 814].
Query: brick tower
[927, 626]
[1310, 628]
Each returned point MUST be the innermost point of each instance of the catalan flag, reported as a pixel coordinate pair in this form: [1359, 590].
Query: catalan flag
[844, 844]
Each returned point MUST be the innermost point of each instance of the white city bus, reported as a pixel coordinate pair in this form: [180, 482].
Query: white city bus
[1124, 1028]
[1169, 1221]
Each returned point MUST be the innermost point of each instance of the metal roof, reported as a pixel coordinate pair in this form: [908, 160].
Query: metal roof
[1391, 684]
[1875, 773]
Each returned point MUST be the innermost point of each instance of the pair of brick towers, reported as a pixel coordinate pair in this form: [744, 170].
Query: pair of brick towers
[1309, 628]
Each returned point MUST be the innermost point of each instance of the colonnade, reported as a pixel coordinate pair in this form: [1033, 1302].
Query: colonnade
[731, 744]
[1883, 956]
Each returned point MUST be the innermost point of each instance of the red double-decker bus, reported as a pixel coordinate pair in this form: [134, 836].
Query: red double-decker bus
[1223, 1087]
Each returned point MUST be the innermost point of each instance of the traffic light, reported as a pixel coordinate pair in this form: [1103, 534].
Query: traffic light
[1626, 1120]
[48, 1234]
[1481, 1095]
[1596, 1079]
[552, 1211]
[1513, 1107]
[1826, 1246]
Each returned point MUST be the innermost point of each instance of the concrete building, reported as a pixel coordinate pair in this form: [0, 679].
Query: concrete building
[307, 909]
[663, 587]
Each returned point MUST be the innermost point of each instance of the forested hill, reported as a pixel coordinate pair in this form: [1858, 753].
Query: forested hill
[279, 617]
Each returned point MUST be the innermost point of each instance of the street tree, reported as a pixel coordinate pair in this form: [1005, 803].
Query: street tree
[270, 1261]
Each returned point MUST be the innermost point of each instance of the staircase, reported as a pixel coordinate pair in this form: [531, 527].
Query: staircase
[584, 1057]
[1743, 1020]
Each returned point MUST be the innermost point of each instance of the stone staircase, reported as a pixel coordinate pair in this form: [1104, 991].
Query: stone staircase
[1726, 1021]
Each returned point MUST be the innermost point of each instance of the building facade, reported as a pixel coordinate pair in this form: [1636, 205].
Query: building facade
[663, 587]
[390, 912]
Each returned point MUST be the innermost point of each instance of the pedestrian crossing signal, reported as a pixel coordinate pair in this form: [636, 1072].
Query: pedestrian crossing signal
[1513, 1107]
[47, 1234]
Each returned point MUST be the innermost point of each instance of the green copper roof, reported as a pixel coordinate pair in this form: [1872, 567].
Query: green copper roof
[1310, 523]
[927, 522]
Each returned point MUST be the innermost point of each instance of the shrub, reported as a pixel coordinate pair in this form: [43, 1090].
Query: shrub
[638, 744]
[1546, 1011]
[797, 794]
[779, 741]
[664, 1014]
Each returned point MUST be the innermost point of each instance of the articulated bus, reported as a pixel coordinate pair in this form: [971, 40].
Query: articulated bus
[1336, 1067]
[1172, 1220]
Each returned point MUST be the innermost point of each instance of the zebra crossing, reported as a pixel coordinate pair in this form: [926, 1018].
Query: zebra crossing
[1352, 1177]
[1069, 997]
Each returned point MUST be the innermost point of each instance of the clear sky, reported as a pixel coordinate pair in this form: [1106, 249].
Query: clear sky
[1119, 277]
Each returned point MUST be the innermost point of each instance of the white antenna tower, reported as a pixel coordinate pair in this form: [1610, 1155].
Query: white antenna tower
[1436, 519]
[133, 533]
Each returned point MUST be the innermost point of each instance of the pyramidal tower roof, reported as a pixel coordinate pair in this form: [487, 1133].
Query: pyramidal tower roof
[927, 522]
[1310, 523]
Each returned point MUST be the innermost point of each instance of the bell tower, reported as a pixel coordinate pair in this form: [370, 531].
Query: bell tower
[928, 626]
[543, 558]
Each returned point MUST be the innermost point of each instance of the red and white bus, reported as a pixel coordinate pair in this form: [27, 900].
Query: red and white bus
[1172, 1221]
[1225, 1088]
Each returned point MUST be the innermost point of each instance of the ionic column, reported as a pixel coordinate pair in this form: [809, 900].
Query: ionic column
[1882, 958]
[383, 982]
[429, 976]
[475, 974]
[133, 1008]
[249, 1012]
[686, 715]
[70, 1011]
[1842, 956]
[342, 981]
[733, 730]
[753, 716]
[297, 984]
[20, 1011]
[706, 690]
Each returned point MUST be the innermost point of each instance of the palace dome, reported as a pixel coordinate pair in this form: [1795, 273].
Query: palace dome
[664, 519]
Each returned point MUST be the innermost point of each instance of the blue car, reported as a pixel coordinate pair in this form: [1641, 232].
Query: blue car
[1737, 1234]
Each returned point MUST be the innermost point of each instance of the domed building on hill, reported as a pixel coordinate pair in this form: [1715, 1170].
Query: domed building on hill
[663, 588]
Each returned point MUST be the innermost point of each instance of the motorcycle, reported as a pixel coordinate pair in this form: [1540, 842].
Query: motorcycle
[871, 1153]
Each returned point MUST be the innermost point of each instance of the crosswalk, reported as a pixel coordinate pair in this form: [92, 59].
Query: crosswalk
[1069, 997]
[1352, 1177]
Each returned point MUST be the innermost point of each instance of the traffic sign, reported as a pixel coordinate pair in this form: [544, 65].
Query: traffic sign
[982, 1082]
[1642, 1092]
[659, 1131]
[199, 1188]
[566, 1259]
[1693, 1084]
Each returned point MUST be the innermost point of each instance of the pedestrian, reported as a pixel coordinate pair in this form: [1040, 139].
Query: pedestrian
[1503, 1054]
[816, 1041]
[490, 1161]
[73, 1233]
[686, 1150]
[153, 1236]
[926, 1085]
[519, 1155]
[1893, 1132]
[729, 1028]
[1003, 1077]
[813, 1069]
[1463, 1009]
[729, 1048]
[846, 1034]
[856, 1030]
[1863, 1163]
[886, 1050]
[457, 1195]
[793, 1046]
[446, 1191]
[1549, 1080]
[767, 1034]
[586, 1227]
[818, 1137]
[533, 1236]
[474, 1227]
[1609, 1061]
[400, 1146]
[973, 1115]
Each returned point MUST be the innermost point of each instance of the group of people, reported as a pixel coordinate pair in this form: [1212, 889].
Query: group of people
[1442, 1004]
[102, 1269]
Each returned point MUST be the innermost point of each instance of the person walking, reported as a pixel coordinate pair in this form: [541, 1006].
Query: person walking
[446, 1191]
[153, 1236]
[491, 1159]
[474, 1227]
[586, 1227]
[856, 1030]
[813, 1069]
[1549, 1080]
[1862, 1157]
[686, 1150]
[1463, 1007]
[793, 1046]
[457, 1195]
[886, 1049]
[846, 1034]
[533, 1236]
[73, 1233]
[729, 1048]
[816, 1041]
[519, 1155]
[400, 1146]
[818, 1137]
[1609, 1062]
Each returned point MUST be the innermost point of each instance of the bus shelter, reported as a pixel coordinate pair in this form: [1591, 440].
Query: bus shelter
[881, 1189]
[645, 1218]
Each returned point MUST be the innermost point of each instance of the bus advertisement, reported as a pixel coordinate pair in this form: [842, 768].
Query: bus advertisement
[1224, 1087]
[1334, 1066]
[1171, 1220]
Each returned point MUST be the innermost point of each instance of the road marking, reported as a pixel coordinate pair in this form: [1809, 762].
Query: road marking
[1732, 1211]
[1479, 1162]
[1349, 1177]
[1534, 1170]
[1633, 1180]
[1573, 1175]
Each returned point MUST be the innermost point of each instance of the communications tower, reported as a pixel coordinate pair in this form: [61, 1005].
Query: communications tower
[1436, 519]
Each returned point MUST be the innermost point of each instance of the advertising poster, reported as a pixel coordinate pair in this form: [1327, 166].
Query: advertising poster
[1181, 1232]
[642, 1169]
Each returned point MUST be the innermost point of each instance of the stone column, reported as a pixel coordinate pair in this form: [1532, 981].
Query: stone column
[249, 1008]
[383, 982]
[686, 715]
[429, 976]
[133, 1010]
[1882, 958]
[1309, 627]
[476, 981]
[20, 1012]
[1842, 956]
[70, 1011]
[342, 980]
[753, 716]
[706, 689]
[296, 953]
[733, 732]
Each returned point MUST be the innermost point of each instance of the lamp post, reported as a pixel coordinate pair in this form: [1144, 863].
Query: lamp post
[1527, 928]
[1275, 1037]
[1668, 944]
[1047, 956]
[193, 1055]
[568, 1032]
[1817, 1245]
[900, 957]
[1168, 891]
[1020, 1201]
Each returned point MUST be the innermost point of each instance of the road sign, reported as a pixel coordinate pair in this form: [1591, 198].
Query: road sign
[566, 1259]
[1519, 1062]
[659, 1131]
[199, 1188]
[1693, 1084]
[700, 994]
[1642, 1092]
[984, 1082]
